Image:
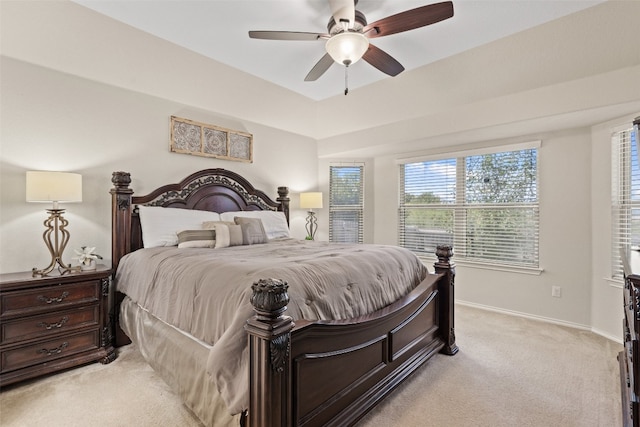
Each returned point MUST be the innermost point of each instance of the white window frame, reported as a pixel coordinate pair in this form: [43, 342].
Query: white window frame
[460, 208]
[336, 209]
[625, 180]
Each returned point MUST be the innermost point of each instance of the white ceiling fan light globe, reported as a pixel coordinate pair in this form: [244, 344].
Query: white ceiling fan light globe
[348, 47]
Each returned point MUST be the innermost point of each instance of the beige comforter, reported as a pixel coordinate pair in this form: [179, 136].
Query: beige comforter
[206, 292]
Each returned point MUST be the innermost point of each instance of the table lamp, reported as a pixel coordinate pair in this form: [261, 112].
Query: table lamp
[311, 201]
[55, 187]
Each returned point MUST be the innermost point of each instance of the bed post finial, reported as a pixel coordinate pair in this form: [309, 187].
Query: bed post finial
[269, 334]
[121, 179]
[446, 289]
[283, 199]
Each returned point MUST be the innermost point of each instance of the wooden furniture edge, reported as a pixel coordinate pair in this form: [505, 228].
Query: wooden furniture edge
[629, 357]
[105, 353]
[271, 334]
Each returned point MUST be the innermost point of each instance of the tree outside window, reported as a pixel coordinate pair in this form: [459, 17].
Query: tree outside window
[485, 205]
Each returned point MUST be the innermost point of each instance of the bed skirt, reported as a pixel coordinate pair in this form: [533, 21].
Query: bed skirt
[180, 360]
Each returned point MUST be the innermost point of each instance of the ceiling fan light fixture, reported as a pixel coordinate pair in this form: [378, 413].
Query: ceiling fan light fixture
[347, 47]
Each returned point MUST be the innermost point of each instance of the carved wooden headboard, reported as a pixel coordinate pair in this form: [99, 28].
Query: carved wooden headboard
[215, 190]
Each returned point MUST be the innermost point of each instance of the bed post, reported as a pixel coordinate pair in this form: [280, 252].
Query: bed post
[269, 355]
[121, 217]
[446, 288]
[283, 198]
[120, 240]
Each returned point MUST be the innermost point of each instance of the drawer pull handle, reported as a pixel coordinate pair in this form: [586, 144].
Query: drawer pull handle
[53, 351]
[52, 300]
[49, 326]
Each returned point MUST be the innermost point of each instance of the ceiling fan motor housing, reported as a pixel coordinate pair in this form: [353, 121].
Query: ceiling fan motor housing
[361, 22]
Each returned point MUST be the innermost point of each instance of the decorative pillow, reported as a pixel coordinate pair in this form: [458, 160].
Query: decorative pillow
[274, 223]
[227, 235]
[252, 230]
[196, 239]
[161, 225]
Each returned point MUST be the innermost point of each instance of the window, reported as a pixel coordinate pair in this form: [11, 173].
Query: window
[625, 194]
[485, 205]
[346, 203]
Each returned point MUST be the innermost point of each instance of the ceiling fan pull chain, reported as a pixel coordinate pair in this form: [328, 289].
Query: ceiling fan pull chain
[346, 79]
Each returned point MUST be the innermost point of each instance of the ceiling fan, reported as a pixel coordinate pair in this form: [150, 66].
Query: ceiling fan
[347, 40]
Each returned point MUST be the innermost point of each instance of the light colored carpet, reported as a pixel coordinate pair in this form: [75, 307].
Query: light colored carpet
[510, 371]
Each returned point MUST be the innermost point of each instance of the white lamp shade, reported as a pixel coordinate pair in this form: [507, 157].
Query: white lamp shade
[347, 47]
[311, 200]
[45, 186]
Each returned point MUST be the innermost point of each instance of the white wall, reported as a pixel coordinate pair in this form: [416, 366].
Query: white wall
[84, 93]
[67, 37]
[575, 224]
[586, 61]
[115, 88]
[565, 238]
[552, 83]
[55, 121]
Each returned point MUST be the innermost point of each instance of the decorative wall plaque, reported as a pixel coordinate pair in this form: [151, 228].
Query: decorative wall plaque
[201, 139]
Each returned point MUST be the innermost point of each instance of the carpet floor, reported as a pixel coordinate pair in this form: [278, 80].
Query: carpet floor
[510, 371]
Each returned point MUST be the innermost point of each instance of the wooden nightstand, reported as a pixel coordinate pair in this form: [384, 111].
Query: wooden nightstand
[52, 323]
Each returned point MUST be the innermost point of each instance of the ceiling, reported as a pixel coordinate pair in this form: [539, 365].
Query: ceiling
[218, 29]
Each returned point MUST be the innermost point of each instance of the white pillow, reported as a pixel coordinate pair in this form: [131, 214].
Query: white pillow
[274, 222]
[160, 226]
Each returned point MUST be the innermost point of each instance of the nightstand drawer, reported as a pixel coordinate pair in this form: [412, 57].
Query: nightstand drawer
[48, 298]
[41, 326]
[46, 351]
[54, 322]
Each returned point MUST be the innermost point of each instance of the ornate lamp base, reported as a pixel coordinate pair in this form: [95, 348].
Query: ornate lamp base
[55, 238]
[312, 225]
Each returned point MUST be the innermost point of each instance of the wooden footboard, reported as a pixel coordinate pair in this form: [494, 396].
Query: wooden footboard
[332, 372]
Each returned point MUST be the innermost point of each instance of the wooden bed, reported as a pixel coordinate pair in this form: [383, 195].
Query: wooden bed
[307, 373]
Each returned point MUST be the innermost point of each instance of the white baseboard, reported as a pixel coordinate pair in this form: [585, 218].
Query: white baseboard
[607, 336]
[541, 319]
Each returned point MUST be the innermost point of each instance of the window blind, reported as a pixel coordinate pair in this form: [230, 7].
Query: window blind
[625, 192]
[485, 205]
[346, 203]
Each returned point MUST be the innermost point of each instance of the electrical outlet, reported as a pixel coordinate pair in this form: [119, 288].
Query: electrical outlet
[556, 291]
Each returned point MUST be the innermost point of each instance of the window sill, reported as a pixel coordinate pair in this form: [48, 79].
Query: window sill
[614, 283]
[494, 267]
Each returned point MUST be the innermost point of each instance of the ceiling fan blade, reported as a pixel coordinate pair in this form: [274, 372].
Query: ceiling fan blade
[410, 19]
[343, 10]
[319, 69]
[382, 61]
[286, 35]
